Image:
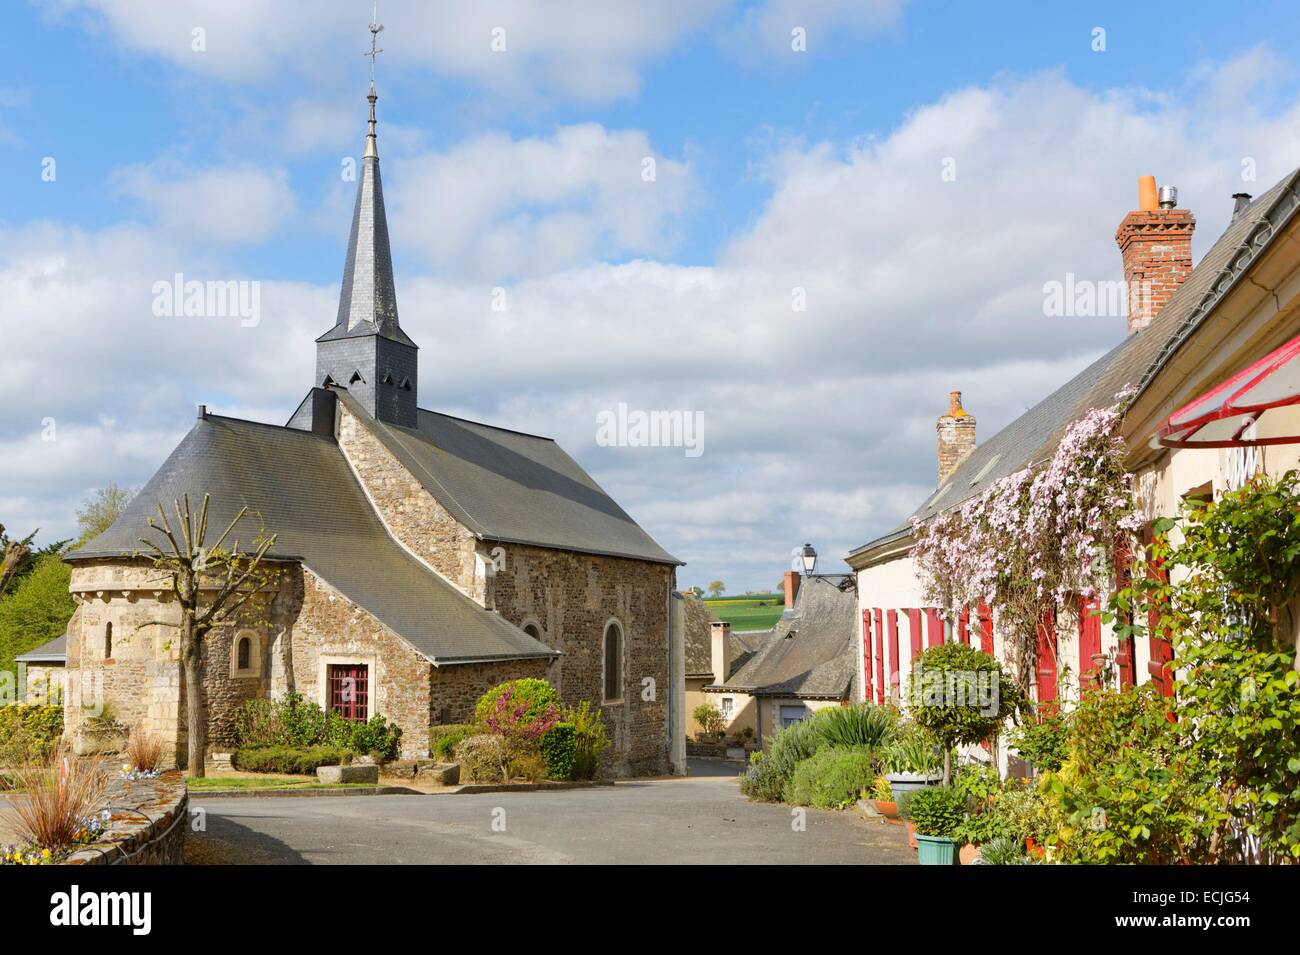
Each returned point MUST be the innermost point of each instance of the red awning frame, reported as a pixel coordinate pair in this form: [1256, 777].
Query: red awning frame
[1209, 420]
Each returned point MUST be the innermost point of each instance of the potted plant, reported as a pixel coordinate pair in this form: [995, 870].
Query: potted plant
[936, 812]
[911, 763]
[882, 797]
[977, 829]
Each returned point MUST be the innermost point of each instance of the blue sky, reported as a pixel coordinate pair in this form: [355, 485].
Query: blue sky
[520, 170]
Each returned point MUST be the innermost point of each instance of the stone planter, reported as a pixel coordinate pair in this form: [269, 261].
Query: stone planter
[355, 773]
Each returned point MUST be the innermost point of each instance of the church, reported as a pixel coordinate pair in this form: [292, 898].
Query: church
[424, 558]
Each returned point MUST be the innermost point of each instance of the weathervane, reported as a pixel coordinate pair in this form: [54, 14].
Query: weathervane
[376, 28]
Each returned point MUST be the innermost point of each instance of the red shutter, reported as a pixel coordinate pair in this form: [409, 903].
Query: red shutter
[986, 628]
[866, 655]
[914, 631]
[1047, 657]
[933, 627]
[1125, 655]
[880, 656]
[1089, 641]
[963, 626]
[891, 621]
[1162, 651]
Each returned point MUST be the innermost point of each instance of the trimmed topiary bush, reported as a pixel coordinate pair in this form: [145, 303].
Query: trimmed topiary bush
[937, 810]
[294, 760]
[559, 748]
[832, 778]
[484, 758]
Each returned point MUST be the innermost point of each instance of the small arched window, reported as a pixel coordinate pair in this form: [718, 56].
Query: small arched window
[108, 641]
[613, 662]
[244, 652]
[533, 630]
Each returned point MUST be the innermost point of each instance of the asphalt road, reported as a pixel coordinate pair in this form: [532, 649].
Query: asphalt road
[699, 819]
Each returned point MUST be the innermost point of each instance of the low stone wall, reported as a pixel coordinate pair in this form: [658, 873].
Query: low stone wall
[147, 823]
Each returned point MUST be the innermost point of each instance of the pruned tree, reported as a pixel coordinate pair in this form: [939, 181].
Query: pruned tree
[211, 584]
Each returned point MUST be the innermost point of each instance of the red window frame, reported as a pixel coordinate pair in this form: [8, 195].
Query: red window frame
[1126, 652]
[963, 626]
[349, 690]
[1160, 666]
[986, 628]
[914, 633]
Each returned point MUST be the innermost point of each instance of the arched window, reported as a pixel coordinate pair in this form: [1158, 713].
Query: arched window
[108, 641]
[613, 662]
[246, 655]
[244, 652]
[533, 629]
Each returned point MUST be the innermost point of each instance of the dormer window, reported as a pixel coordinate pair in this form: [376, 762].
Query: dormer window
[388, 380]
[356, 376]
[406, 384]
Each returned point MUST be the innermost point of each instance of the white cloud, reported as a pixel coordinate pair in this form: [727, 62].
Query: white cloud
[227, 205]
[767, 29]
[494, 206]
[590, 51]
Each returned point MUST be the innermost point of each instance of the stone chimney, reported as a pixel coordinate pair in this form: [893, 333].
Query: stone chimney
[1155, 242]
[792, 580]
[720, 649]
[956, 431]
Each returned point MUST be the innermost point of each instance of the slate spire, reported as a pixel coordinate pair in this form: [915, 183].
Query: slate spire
[368, 300]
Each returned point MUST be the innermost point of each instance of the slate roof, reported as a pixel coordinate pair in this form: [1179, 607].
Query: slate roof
[1033, 436]
[55, 651]
[698, 639]
[301, 488]
[810, 652]
[509, 486]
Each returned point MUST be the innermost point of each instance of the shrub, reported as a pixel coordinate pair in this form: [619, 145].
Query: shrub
[761, 782]
[710, 718]
[536, 696]
[982, 827]
[28, 733]
[1043, 740]
[559, 747]
[377, 737]
[526, 767]
[296, 722]
[937, 810]
[443, 739]
[291, 760]
[484, 758]
[1026, 813]
[832, 778]
[591, 739]
[865, 724]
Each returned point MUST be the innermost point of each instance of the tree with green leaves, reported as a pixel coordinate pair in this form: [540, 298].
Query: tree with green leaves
[99, 511]
[212, 584]
[37, 609]
[717, 588]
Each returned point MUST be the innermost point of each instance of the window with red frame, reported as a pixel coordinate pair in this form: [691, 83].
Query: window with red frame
[349, 690]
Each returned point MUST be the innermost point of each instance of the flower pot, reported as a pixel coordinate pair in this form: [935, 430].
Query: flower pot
[969, 853]
[936, 850]
[887, 809]
[911, 782]
[911, 834]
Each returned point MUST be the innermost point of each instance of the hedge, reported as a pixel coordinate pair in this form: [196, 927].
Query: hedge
[28, 731]
[559, 747]
[293, 760]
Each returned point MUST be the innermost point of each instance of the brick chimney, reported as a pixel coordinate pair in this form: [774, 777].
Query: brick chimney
[956, 431]
[719, 649]
[792, 580]
[1155, 241]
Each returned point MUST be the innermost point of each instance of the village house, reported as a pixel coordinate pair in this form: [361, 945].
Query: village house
[424, 558]
[1189, 331]
[764, 682]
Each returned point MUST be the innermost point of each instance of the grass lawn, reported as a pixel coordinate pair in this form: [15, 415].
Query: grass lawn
[197, 784]
[760, 612]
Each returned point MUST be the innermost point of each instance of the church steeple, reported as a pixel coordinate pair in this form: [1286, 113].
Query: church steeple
[366, 351]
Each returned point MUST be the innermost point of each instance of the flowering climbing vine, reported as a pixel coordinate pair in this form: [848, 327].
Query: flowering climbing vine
[1036, 540]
